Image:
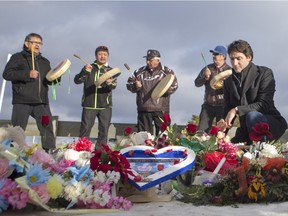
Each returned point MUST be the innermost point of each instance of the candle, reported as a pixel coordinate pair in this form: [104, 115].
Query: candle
[220, 164]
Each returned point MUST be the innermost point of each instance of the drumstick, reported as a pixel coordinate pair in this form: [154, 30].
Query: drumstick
[204, 59]
[128, 68]
[77, 56]
[32, 53]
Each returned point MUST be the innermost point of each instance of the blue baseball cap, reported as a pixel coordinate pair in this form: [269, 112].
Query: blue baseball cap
[219, 50]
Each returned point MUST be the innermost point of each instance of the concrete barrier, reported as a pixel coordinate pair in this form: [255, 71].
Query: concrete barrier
[71, 129]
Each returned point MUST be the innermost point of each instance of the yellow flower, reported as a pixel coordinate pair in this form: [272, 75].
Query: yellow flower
[55, 186]
[256, 188]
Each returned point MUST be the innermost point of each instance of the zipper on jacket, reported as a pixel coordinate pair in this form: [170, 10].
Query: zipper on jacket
[39, 80]
[97, 73]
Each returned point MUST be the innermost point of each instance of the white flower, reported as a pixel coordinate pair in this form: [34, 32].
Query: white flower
[71, 154]
[87, 194]
[100, 176]
[73, 192]
[113, 176]
[269, 151]
[285, 148]
[248, 155]
[102, 198]
[203, 138]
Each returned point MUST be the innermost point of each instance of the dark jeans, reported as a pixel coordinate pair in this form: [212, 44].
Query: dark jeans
[248, 121]
[146, 119]
[20, 116]
[88, 120]
[207, 115]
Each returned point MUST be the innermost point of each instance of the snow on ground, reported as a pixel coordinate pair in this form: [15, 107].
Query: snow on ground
[173, 208]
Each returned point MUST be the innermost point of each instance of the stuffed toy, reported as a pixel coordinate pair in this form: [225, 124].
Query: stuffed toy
[16, 135]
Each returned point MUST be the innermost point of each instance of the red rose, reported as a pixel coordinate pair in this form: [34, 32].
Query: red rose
[166, 118]
[260, 130]
[214, 131]
[45, 120]
[127, 131]
[163, 127]
[191, 128]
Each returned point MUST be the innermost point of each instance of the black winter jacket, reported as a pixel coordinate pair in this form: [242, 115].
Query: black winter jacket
[27, 90]
[257, 94]
[95, 98]
[212, 97]
[149, 79]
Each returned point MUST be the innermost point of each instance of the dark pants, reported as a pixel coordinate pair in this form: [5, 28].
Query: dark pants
[146, 119]
[247, 122]
[207, 115]
[20, 116]
[88, 120]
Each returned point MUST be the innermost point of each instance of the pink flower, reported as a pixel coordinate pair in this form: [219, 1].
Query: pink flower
[18, 200]
[229, 148]
[42, 192]
[83, 144]
[62, 165]
[122, 202]
[5, 171]
[40, 156]
[13, 195]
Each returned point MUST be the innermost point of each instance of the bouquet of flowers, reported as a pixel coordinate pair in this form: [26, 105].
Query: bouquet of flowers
[73, 176]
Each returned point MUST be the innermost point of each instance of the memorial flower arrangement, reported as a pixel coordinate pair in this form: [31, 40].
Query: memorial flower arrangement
[71, 177]
[254, 174]
[248, 174]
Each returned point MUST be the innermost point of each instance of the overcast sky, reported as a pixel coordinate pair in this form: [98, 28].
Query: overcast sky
[181, 31]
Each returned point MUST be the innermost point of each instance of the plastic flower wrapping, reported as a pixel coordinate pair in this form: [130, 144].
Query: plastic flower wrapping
[73, 177]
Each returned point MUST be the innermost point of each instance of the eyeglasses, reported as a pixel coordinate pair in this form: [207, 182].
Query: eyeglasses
[216, 54]
[36, 42]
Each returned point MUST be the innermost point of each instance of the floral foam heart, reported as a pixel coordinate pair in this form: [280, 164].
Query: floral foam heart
[153, 166]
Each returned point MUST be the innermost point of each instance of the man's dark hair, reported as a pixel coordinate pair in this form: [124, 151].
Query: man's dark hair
[242, 47]
[28, 37]
[102, 48]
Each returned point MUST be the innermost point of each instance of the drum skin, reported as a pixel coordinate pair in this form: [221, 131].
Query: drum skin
[59, 70]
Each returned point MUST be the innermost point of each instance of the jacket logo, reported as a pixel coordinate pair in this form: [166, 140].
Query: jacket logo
[151, 78]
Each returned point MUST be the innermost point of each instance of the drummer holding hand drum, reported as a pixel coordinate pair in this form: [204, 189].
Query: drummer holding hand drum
[27, 70]
[99, 80]
[153, 85]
